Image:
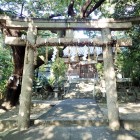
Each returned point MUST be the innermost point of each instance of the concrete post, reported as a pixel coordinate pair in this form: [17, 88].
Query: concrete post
[27, 82]
[110, 82]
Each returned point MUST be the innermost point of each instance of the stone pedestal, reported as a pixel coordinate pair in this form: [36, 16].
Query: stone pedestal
[56, 93]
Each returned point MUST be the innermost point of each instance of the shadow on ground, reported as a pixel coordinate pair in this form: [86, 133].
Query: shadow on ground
[69, 133]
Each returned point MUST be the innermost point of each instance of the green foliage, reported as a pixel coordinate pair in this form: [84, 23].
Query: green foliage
[132, 55]
[59, 69]
[6, 68]
[126, 8]
[99, 67]
[42, 8]
[120, 8]
[51, 81]
[128, 61]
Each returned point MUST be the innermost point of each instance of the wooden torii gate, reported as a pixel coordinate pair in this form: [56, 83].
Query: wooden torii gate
[33, 25]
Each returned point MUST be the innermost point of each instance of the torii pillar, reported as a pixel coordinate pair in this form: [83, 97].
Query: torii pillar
[27, 81]
[110, 81]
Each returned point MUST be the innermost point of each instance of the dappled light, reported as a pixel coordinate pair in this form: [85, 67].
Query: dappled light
[127, 137]
[114, 125]
[29, 88]
[21, 114]
[69, 133]
[87, 136]
[126, 110]
[112, 73]
[72, 112]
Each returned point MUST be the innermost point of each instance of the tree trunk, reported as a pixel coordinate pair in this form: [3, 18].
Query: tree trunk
[110, 82]
[27, 82]
[14, 82]
[13, 87]
[25, 96]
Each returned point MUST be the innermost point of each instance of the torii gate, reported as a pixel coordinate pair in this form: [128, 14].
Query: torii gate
[33, 41]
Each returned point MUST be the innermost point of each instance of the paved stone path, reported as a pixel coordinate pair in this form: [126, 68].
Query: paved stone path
[80, 90]
[83, 112]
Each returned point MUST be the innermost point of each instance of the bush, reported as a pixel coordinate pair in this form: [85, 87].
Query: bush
[99, 67]
[6, 68]
[59, 69]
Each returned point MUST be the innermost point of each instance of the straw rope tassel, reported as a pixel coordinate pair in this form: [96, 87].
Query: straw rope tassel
[27, 45]
[116, 50]
[57, 52]
[68, 54]
[46, 57]
[35, 56]
[89, 54]
[95, 54]
[77, 56]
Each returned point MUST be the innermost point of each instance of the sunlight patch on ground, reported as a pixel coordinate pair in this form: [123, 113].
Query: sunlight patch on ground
[130, 107]
[125, 137]
[86, 87]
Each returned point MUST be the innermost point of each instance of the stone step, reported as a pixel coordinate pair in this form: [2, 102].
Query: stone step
[126, 124]
[70, 122]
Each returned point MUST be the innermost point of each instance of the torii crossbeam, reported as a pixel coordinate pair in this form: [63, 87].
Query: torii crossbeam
[17, 41]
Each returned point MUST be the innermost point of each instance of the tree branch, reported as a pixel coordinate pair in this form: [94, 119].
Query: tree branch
[70, 9]
[54, 15]
[85, 7]
[98, 4]
[21, 12]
